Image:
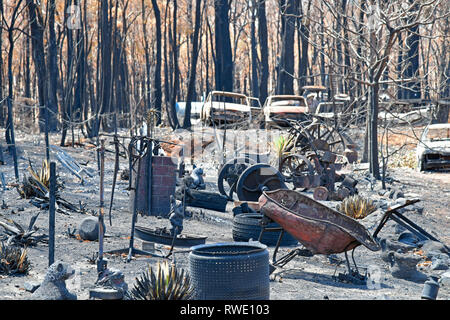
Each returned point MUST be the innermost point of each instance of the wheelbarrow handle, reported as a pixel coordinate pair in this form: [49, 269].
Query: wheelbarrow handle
[388, 214]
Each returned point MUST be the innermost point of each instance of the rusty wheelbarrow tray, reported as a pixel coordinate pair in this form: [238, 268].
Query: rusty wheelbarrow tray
[320, 229]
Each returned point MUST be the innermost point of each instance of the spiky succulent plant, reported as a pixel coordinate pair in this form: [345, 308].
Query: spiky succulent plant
[166, 283]
[13, 260]
[282, 145]
[356, 207]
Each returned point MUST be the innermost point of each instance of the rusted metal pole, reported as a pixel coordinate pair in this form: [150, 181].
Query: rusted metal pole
[51, 224]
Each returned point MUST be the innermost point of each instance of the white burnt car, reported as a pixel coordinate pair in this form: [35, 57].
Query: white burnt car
[221, 106]
[279, 108]
[433, 149]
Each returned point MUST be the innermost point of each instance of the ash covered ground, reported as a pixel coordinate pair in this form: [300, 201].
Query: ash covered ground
[303, 278]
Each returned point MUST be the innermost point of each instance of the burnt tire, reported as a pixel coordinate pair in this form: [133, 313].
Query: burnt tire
[247, 226]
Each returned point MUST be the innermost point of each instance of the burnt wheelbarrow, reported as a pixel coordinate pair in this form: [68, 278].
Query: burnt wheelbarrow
[320, 229]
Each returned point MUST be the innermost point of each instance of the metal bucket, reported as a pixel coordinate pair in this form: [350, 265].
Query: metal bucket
[230, 271]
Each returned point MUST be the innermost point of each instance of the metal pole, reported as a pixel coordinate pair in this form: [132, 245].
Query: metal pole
[51, 224]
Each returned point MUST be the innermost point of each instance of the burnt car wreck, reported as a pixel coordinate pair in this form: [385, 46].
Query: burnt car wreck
[433, 149]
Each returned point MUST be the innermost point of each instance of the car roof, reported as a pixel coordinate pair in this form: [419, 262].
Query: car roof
[314, 88]
[287, 97]
[439, 126]
[228, 94]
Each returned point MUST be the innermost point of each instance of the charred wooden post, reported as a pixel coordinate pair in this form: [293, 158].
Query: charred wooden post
[2, 179]
[2, 161]
[101, 264]
[12, 145]
[133, 219]
[47, 143]
[51, 224]
[116, 169]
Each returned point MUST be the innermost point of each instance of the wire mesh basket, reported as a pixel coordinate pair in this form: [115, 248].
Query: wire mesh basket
[230, 271]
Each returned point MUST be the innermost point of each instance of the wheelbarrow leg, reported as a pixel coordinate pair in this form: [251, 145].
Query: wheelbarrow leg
[352, 276]
[277, 247]
[354, 262]
[349, 268]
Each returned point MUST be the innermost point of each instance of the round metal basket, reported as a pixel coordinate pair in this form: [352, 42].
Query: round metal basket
[230, 271]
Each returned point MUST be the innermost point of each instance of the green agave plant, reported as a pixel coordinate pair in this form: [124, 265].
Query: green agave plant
[281, 146]
[356, 207]
[166, 283]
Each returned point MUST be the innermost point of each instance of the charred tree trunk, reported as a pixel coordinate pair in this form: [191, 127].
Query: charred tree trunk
[192, 71]
[175, 70]
[27, 89]
[348, 86]
[254, 54]
[224, 60]
[2, 116]
[285, 83]
[10, 135]
[373, 108]
[413, 90]
[67, 96]
[412, 41]
[374, 166]
[148, 95]
[106, 55]
[37, 42]
[264, 51]
[52, 68]
[443, 109]
[400, 92]
[80, 81]
[157, 79]
[303, 44]
[323, 77]
[358, 66]
[166, 68]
